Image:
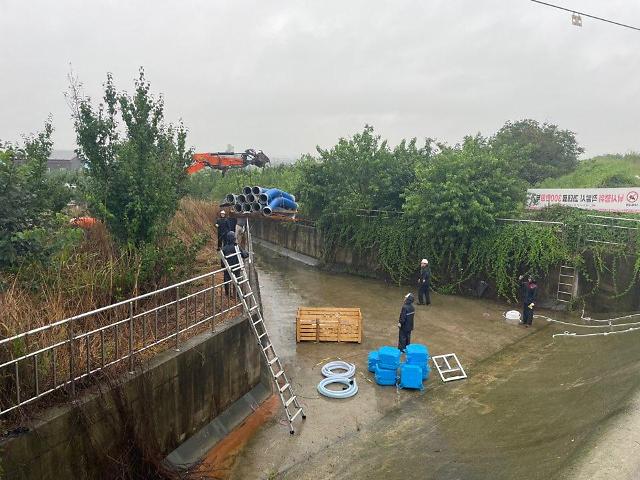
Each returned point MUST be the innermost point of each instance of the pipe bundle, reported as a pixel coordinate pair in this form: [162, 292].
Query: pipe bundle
[262, 200]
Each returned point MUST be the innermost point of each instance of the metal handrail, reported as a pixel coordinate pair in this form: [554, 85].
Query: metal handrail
[27, 373]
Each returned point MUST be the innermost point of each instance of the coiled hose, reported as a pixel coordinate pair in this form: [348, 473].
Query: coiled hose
[350, 391]
[349, 369]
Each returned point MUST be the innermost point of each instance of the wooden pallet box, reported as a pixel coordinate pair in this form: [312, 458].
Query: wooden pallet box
[319, 324]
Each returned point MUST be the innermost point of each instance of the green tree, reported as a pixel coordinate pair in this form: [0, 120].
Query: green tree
[29, 198]
[134, 161]
[536, 151]
[361, 172]
[456, 198]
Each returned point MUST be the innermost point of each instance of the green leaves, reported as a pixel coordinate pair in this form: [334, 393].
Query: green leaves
[535, 152]
[135, 170]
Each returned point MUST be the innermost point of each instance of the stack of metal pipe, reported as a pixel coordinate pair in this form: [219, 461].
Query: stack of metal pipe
[262, 200]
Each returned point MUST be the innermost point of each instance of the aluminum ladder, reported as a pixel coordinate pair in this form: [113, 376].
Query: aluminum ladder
[240, 278]
[566, 281]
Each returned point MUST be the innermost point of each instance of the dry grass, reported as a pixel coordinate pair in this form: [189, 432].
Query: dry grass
[87, 278]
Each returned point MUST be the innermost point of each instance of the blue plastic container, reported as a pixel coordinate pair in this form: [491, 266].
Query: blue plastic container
[411, 376]
[373, 361]
[417, 354]
[386, 376]
[389, 358]
[425, 371]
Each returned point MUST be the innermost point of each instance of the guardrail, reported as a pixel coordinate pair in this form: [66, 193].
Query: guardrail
[69, 352]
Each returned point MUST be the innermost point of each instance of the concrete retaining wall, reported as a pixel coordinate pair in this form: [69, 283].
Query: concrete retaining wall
[308, 241]
[176, 395]
[167, 401]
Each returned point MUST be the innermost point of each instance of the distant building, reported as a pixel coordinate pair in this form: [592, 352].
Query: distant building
[64, 160]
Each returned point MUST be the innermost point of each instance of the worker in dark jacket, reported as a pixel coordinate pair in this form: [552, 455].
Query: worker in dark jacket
[529, 296]
[424, 282]
[405, 324]
[223, 227]
[229, 250]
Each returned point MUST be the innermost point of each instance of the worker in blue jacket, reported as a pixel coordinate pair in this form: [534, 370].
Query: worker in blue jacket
[405, 324]
[529, 298]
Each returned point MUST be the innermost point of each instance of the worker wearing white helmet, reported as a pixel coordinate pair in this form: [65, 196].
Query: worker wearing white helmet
[424, 283]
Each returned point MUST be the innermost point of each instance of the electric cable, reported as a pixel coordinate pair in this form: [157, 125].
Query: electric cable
[585, 15]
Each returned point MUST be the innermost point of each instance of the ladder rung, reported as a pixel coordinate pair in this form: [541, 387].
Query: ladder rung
[568, 268]
[289, 402]
[255, 307]
[262, 335]
[279, 374]
[568, 284]
[450, 370]
[248, 294]
[296, 414]
[257, 322]
[565, 275]
[243, 281]
[284, 387]
[264, 349]
[273, 360]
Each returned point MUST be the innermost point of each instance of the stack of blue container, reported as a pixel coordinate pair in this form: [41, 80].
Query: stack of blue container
[384, 363]
[386, 366]
[416, 369]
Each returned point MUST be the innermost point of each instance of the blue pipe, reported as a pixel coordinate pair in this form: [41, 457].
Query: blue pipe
[276, 193]
[283, 202]
[280, 203]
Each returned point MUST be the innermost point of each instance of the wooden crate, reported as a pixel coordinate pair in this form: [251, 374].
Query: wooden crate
[329, 325]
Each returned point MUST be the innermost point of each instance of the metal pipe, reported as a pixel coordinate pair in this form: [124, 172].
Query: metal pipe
[241, 198]
[257, 190]
[230, 198]
[246, 207]
[256, 207]
[263, 198]
[247, 190]
[237, 207]
[251, 198]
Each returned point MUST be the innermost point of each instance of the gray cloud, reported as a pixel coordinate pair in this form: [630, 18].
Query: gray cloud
[287, 75]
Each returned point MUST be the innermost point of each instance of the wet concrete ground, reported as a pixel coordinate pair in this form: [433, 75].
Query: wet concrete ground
[531, 408]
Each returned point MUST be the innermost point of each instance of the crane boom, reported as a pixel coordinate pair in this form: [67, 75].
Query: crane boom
[226, 160]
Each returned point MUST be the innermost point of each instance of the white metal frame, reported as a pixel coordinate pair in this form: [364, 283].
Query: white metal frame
[449, 369]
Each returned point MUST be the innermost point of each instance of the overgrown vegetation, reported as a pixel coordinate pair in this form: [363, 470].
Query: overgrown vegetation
[414, 200]
[31, 202]
[601, 171]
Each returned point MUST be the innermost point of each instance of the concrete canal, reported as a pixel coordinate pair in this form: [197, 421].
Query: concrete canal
[532, 407]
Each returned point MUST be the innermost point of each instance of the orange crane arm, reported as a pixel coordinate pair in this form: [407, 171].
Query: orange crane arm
[225, 160]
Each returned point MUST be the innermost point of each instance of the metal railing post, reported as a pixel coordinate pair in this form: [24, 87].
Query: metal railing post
[177, 318]
[72, 375]
[130, 336]
[213, 303]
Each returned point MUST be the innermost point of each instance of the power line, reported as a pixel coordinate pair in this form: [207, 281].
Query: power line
[586, 15]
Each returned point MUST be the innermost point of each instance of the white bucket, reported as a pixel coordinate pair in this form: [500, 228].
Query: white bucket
[512, 316]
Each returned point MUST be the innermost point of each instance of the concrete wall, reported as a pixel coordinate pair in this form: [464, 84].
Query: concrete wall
[309, 241]
[164, 403]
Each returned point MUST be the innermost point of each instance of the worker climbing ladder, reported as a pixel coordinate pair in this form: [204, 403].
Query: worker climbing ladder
[566, 281]
[240, 278]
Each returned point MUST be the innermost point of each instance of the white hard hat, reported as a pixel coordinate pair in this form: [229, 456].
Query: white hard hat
[424, 260]
[222, 211]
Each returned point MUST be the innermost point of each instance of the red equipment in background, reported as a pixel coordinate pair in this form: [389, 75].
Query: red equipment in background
[225, 160]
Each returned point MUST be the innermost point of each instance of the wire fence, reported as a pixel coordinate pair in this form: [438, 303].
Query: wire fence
[65, 355]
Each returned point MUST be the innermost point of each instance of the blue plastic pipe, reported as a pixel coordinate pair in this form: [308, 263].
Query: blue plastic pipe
[277, 193]
[280, 203]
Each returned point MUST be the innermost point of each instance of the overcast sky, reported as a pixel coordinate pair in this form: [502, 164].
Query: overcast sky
[287, 75]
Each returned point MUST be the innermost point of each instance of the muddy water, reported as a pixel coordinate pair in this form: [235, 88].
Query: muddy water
[533, 407]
